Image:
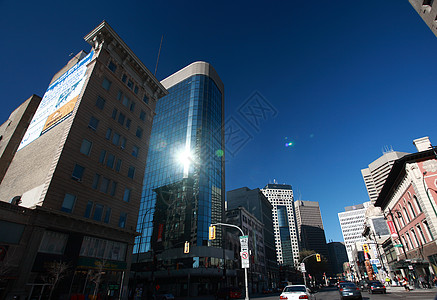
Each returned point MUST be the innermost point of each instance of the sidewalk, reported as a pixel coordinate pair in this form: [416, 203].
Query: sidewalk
[401, 289]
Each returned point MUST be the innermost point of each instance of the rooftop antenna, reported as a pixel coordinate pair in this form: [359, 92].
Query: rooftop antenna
[159, 52]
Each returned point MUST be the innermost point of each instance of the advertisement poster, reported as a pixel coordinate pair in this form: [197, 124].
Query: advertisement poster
[58, 101]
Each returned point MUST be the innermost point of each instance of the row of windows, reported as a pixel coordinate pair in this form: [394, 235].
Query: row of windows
[410, 240]
[95, 211]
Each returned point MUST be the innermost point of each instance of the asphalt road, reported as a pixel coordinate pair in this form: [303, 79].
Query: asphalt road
[332, 294]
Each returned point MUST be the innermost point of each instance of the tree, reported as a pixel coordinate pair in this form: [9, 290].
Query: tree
[96, 276]
[56, 271]
[312, 266]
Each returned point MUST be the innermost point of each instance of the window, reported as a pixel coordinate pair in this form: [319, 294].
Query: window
[422, 236]
[132, 106]
[428, 2]
[126, 101]
[419, 208]
[116, 139]
[96, 181]
[130, 84]
[102, 156]
[124, 78]
[88, 209]
[112, 66]
[108, 133]
[68, 203]
[411, 209]
[142, 115]
[98, 212]
[110, 160]
[123, 143]
[104, 185]
[428, 230]
[121, 118]
[85, 148]
[100, 102]
[136, 89]
[128, 122]
[131, 172]
[406, 213]
[126, 195]
[135, 151]
[122, 220]
[113, 188]
[107, 215]
[139, 132]
[53, 242]
[93, 124]
[118, 165]
[119, 95]
[114, 113]
[146, 99]
[106, 84]
[77, 172]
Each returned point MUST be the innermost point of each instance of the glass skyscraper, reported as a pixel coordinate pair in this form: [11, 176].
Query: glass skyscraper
[183, 188]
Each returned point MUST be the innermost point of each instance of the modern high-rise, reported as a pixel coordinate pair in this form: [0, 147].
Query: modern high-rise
[284, 223]
[256, 203]
[310, 226]
[75, 182]
[184, 184]
[375, 175]
[337, 256]
[352, 226]
[427, 10]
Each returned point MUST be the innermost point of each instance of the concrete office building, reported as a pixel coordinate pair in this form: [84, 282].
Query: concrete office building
[256, 203]
[310, 227]
[337, 256]
[284, 223]
[427, 11]
[375, 175]
[184, 185]
[352, 225]
[13, 130]
[79, 171]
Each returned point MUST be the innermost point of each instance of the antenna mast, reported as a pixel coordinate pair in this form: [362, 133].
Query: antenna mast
[159, 52]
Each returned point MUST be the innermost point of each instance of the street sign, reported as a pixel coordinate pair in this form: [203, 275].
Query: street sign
[410, 267]
[244, 259]
[397, 245]
[244, 243]
[302, 267]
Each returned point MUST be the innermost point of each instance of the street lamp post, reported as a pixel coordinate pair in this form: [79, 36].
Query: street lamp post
[245, 269]
[303, 260]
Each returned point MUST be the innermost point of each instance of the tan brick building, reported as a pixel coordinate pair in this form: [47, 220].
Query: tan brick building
[79, 170]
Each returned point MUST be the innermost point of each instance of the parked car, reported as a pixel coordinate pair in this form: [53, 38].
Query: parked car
[365, 284]
[228, 293]
[162, 295]
[340, 282]
[295, 292]
[376, 287]
[348, 290]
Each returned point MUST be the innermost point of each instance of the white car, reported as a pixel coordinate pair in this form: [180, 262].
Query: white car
[296, 292]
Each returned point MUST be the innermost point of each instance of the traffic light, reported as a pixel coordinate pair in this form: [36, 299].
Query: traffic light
[366, 248]
[187, 247]
[318, 258]
[212, 232]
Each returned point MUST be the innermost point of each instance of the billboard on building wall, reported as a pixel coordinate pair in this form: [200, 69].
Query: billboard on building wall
[58, 101]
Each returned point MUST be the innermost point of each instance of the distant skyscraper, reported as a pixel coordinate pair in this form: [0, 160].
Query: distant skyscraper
[375, 175]
[310, 226]
[284, 222]
[352, 226]
[184, 184]
[427, 11]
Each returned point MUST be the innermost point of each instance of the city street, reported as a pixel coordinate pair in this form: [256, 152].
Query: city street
[332, 294]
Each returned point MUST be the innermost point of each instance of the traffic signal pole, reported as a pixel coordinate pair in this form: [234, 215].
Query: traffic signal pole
[224, 258]
[303, 260]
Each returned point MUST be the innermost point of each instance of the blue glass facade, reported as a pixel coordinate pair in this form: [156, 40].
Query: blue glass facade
[284, 232]
[183, 187]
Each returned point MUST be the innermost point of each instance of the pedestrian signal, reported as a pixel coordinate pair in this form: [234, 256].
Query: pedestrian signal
[318, 257]
[212, 232]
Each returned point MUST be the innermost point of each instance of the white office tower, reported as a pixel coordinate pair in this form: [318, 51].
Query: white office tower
[284, 223]
[352, 226]
[375, 175]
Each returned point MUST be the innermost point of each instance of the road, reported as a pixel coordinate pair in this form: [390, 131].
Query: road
[332, 294]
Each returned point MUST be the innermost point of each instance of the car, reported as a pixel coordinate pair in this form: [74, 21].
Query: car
[365, 283]
[376, 287]
[163, 296]
[348, 290]
[294, 292]
[228, 293]
[340, 282]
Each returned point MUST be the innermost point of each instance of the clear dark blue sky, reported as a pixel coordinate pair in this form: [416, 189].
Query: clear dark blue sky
[347, 78]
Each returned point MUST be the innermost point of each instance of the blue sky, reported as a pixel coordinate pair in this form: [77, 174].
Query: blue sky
[344, 78]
